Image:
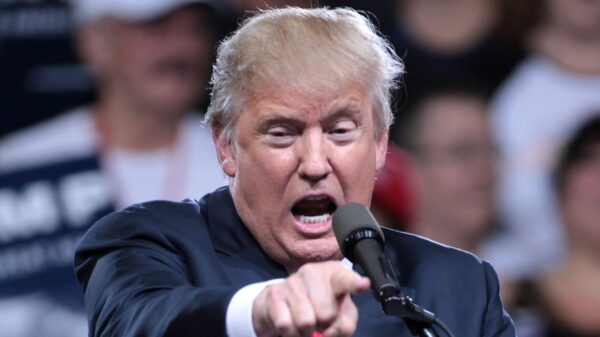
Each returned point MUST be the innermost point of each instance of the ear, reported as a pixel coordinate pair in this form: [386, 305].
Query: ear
[381, 149]
[225, 153]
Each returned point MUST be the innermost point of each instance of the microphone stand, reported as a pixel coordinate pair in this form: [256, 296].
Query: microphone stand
[395, 303]
[419, 321]
[384, 283]
[420, 330]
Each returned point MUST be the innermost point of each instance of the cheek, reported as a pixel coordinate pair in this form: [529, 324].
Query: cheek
[265, 172]
[134, 73]
[460, 182]
[442, 181]
[139, 58]
[273, 163]
[447, 188]
[356, 176]
[128, 47]
[582, 199]
[584, 186]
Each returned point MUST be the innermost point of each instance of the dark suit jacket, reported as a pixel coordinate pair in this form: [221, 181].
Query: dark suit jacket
[170, 269]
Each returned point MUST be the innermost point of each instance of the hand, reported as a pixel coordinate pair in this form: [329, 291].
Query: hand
[316, 297]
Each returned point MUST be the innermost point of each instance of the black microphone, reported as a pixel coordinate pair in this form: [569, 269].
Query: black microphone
[361, 241]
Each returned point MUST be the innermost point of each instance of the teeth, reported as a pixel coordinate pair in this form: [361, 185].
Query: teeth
[314, 219]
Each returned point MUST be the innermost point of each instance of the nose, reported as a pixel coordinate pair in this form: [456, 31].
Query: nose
[314, 160]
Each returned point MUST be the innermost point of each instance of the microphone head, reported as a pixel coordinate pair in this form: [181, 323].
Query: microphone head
[350, 219]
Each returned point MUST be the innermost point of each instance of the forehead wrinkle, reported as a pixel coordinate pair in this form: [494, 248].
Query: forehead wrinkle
[270, 110]
[350, 108]
[295, 107]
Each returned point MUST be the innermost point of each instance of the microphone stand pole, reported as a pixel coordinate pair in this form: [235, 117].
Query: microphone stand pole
[418, 320]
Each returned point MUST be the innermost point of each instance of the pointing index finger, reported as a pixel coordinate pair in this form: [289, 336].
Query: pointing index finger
[348, 282]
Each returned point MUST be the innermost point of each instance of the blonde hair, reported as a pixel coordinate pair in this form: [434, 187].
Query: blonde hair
[306, 51]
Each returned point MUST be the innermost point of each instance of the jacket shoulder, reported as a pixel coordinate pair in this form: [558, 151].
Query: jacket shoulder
[158, 218]
[160, 225]
[452, 283]
[417, 255]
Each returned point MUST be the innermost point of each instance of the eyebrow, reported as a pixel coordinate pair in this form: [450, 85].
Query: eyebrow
[351, 110]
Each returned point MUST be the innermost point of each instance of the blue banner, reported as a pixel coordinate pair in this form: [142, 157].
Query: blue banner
[43, 213]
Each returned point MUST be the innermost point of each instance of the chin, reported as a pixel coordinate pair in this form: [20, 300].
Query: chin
[318, 250]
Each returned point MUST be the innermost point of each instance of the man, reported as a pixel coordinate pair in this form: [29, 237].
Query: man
[151, 61]
[138, 141]
[300, 115]
[448, 136]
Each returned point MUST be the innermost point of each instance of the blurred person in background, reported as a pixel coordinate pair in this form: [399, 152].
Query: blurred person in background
[444, 38]
[453, 159]
[138, 141]
[553, 90]
[565, 301]
[151, 61]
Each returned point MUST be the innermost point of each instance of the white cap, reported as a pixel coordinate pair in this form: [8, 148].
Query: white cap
[86, 11]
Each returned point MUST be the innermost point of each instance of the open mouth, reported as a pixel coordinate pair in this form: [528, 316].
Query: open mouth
[314, 209]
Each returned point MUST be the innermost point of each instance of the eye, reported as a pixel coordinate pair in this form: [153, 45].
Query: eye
[280, 136]
[277, 132]
[343, 130]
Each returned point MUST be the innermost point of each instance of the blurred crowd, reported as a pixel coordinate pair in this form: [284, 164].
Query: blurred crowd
[495, 148]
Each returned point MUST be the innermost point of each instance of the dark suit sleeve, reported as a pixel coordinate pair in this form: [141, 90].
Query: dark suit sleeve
[497, 322]
[137, 282]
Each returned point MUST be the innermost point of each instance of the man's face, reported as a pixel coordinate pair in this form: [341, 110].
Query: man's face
[294, 160]
[580, 198]
[160, 65]
[456, 164]
[579, 17]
